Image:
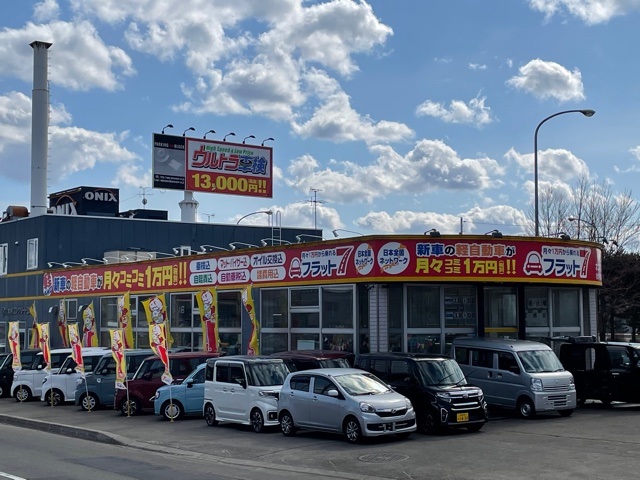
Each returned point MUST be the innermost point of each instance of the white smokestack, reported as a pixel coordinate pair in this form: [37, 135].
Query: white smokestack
[188, 208]
[39, 127]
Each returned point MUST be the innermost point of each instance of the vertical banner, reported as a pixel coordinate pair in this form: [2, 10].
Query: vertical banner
[34, 342]
[62, 322]
[89, 332]
[158, 342]
[124, 319]
[14, 345]
[156, 310]
[208, 306]
[254, 339]
[76, 347]
[43, 334]
[117, 350]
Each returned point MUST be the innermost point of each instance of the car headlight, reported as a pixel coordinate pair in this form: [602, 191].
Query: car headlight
[536, 384]
[157, 395]
[572, 384]
[365, 407]
[408, 404]
[444, 396]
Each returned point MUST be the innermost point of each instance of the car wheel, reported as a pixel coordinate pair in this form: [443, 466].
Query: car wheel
[566, 413]
[89, 402]
[352, 430]
[22, 394]
[525, 408]
[54, 397]
[287, 426]
[130, 407]
[428, 423]
[257, 420]
[171, 410]
[210, 415]
[2, 392]
[476, 427]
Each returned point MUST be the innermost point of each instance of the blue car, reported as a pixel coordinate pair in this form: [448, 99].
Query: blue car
[175, 401]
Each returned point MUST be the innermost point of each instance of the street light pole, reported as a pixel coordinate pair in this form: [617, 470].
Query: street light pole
[586, 113]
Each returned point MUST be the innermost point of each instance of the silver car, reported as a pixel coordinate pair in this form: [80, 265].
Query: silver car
[343, 400]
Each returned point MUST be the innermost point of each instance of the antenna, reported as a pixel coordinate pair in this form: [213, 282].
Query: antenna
[144, 194]
[314, 201]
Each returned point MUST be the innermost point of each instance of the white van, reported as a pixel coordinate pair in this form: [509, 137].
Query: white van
[60, 387]
[27, 384]
[520, 374]
[243, 389]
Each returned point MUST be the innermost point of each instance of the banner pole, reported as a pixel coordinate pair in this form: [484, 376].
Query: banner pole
[51, 385]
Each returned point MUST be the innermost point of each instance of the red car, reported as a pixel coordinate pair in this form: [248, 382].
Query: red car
[143, 386]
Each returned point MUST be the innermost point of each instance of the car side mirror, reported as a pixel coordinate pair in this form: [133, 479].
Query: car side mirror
[333, 393]
[104, 371]
[40, 367]
[189, 383]
[242, 382]
[69, 370]
[147, 376]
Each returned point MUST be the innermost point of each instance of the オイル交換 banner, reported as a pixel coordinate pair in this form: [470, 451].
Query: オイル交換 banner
[387, 259]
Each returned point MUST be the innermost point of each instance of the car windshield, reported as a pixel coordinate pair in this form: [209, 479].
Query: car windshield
[536, 361]
[154, 367]
[334, 363]
[3, 359]
[268, 374]
[90, 362]
[441, 372]
[361, 384]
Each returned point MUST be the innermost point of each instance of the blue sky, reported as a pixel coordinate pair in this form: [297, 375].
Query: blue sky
[402, 115]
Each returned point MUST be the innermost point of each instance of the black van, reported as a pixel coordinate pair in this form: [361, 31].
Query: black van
[435, 385]
[307, 359]
[6, 369]
[605, 371]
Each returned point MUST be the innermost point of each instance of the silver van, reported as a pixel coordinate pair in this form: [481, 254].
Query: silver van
[520, 374]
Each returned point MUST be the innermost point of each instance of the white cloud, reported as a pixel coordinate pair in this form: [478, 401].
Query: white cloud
[553, 164]
[430, 166]
[475, 112]
[336, 120]
[549, 80]
[477, 66]
[590, 12]
[46, 10]
[133, 175]
[635, 151]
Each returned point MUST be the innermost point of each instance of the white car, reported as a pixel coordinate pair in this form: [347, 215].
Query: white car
[27, 383]
[60, 387]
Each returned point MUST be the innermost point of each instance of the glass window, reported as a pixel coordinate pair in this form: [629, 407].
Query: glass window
[460, 307]
[305, 341]
[32, 254]
[301, 383]
[379, 367]
[536, 307]
[337, 307]
[396, 309]
[274, 342]
[338, 341]
[423, 306]
[222, 373]
[229, 308]
[4, 248]
[305, 297]
[305, 319]
[72, 309]
[108, 318]
[482, 358]
[462, 355]
[230, 343]
[535, 361]
[423, 343]
[181, 307]
[500, 307]
[268, 374]
[237, 374]
[274, 308]
[322, 385]
[507, 361]
[566, 307]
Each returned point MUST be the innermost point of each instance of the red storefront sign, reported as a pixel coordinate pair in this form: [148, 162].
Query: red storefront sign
[365, 259]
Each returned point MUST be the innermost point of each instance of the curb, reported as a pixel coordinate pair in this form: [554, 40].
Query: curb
[112, 439]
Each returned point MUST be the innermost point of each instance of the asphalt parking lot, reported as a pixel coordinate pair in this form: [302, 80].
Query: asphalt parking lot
[597, 442]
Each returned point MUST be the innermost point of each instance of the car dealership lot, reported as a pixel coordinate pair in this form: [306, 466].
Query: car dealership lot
[596, 442]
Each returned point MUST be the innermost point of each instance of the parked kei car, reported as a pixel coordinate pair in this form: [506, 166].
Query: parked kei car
[605, 371]
[343, 400]
[6, 368]
[60, 387]
[148, 379]
[98, 388]
[308, 359]
[187, 398]
[243, 389]
[436, 387]
[27, 383]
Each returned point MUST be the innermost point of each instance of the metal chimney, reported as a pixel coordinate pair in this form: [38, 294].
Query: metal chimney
[39, 127]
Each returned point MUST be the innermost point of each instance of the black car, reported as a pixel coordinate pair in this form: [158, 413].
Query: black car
[605, 371]
[435, 385]
[6, 369]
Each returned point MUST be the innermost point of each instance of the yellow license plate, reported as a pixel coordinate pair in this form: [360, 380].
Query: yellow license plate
[462, 417]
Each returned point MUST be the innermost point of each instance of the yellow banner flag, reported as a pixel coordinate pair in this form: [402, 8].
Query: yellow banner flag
[62, 322]
[156, 310]
[89, 331]
[208, 306]
[14, 345]
[158, 342]
[43, 334]
[254, 339]
[34, 342]
[117, 350]
[76, 347]
[124, 319]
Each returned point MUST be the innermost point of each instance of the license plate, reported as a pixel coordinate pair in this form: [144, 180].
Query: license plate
[462, 417]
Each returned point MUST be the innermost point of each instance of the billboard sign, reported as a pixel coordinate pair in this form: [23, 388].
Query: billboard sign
[229, 168]
[168, 162]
